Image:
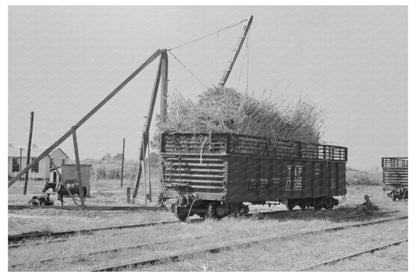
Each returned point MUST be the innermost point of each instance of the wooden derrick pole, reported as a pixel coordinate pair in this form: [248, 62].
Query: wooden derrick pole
[122, 162]
[86, 117]
[29, 146]
[236, 52]
[81, 191]
[148, 172]
[164, 88]
[143, 162]
[145, 135]
[63, 180]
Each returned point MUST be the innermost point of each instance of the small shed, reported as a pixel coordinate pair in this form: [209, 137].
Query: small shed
[70, 174]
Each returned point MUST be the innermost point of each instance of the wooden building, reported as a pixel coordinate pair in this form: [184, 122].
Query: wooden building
[17, 161]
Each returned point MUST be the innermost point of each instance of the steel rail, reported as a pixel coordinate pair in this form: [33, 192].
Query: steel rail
[114, 250]
[90, 231]
[177, 256]
[41, 235]
[371, 250]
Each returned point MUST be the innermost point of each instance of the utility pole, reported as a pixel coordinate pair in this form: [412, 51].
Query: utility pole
[28, 150]
[236, 52]
[21, 159]
[122, 162]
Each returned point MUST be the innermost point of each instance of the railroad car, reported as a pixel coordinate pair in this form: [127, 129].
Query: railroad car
[395, 177]
[215, 174]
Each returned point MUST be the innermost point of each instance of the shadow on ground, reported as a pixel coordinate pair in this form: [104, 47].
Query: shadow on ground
[342, 214]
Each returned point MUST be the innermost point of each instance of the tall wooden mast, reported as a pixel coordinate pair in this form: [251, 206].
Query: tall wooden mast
[236, 52]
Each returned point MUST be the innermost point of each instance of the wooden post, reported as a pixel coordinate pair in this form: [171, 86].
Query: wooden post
[145, 136]
[86, 117]
[81, 192]
[122, 162]
[128, 194]
[29, 146]
[21, 159]
[63, 180]
[143, 162]
[164, 88]
[148, 172]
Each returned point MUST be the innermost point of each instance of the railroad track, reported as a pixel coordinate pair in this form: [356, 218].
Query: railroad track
[42, 235]
[13, 266]
[242, 243]
[353, 255]
[108, 251]
[14, 239]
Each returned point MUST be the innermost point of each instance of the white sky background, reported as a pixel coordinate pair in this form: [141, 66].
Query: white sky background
[352, 61]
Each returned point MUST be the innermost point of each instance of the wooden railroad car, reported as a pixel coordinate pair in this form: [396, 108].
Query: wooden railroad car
[213, 174]
[395, 176]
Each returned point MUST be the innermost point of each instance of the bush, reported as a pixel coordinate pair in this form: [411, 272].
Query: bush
[361, 178]
[109, 168]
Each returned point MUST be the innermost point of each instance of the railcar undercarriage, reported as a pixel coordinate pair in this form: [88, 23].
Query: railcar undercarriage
[185, 207]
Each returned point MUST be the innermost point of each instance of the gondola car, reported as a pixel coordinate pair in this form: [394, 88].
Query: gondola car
[215, 174]
[395, 177]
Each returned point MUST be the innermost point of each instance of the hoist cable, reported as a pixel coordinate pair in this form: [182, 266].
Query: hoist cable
[190, 72]
[210, 34]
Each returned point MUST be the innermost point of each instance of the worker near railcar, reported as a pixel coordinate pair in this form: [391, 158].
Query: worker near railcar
[367, 207]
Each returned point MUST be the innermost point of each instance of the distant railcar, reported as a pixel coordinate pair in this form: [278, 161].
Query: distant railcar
[213, 174]
[395, 176]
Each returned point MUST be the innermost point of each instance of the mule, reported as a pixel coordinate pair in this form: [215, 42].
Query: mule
[74, 189]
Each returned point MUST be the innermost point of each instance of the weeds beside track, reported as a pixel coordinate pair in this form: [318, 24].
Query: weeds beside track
[245, 243]
[42, 235]
[371, 250]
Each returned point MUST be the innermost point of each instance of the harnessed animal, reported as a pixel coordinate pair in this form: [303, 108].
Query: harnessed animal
[59, 188]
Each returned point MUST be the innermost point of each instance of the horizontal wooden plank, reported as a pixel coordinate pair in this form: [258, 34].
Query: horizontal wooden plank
[177, 164]
[202, 170]
[186, 180]
[184, 175]
[197, 159]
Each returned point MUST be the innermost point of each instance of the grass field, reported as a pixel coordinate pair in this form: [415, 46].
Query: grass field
[274, 256]
[279, 255]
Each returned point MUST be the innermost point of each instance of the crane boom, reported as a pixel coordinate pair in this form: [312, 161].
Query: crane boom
[236, 52]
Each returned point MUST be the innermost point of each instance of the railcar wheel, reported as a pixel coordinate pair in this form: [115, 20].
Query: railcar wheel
[201, 215]
[329, 206]
[211, 213]
[181, 213]
[290, 206]
[317, 207]
[302, 206]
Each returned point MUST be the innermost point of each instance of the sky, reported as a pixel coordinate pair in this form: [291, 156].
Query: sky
[351, 61]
